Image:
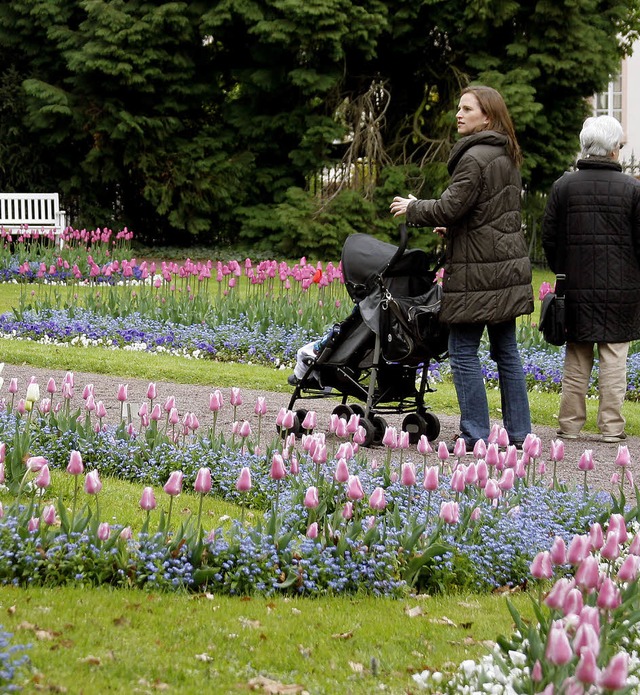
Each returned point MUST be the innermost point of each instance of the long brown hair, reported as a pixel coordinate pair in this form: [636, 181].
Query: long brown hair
[494, 108]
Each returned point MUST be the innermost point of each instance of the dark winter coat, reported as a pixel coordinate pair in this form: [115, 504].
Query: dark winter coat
[487, 276]
[598, 208]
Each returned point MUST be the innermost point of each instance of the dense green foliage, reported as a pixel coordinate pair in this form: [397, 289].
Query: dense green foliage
[211, 120]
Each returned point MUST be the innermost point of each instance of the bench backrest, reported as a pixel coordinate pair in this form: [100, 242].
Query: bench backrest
[29, 209]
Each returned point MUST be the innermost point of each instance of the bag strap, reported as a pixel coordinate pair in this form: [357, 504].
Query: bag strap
[561, 244]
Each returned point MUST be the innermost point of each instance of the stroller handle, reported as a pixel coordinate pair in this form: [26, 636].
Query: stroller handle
[404, 240]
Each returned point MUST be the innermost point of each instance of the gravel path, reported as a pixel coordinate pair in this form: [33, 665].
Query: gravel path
[195, 398]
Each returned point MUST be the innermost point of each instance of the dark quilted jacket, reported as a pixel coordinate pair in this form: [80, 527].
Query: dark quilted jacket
[487, 270]
[601, 206]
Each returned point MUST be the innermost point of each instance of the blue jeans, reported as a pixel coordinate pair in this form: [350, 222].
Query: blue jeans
[464, 342]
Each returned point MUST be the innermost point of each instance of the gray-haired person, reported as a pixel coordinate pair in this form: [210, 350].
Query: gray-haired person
[597, 209]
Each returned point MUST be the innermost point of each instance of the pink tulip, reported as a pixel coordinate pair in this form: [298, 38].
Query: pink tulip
[491, 490]
[3, 452]
[354, 488]
[378, 500]
[13, 385]
[511, 457]
[311, 499]
[312, 531]
[536, 672]
[236, 397]
[92, 483]
[558, 553]
[503, 438]
[573, 602]
[587, 667]
[475, 514]
[215, 401]
[49, 515]
[480, 449]
[431, 481]
[541, 568]
[148, 499]
[558, 650]
[126, 534]
[614, 676]
[450, 512]
[623, 457]
[203, 481]
[34, 524]
[75, 466]
[596, 537]
[36, 463]
[443, 451]
[347, 510]
[458, 480]
[460, 448]
[243, 484]
[557, 450]
[618, 524]
[173, 486]
[289, 420]
[493, 434]
[101, 411]
[278, 470]
[152, 391]
[578, 549]
[586, 460]
[611, 548]
[245, 429]
[353, 423]
[507, 479]
[341, 474]
[408, 474]
[628, 569]
[87, 391]
[588, 573]
[424, 447]
[609, 597]
[319, 455]
[310, 420]
[492, 455]
[51, 386]
[634, 548]
[260, 407]
[43, 479]
[556, 596]
[156, 413]
[2, 474]
[123, 392]
[104, 531]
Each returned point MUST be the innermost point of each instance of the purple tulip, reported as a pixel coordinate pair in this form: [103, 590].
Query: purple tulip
[173, 486]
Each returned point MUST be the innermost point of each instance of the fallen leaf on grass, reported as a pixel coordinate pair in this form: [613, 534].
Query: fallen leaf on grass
[11, 610]
[443, 621]
[91, 660]
[274, 687]
[413, 612]
[44, 635]
[356, 667]
[304, 651]
[343, 635]
[156, 685]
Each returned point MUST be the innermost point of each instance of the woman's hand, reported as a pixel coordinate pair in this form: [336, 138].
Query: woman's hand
[399, 205]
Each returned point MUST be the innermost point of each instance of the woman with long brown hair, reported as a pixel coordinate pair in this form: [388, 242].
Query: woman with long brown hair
[487, 272]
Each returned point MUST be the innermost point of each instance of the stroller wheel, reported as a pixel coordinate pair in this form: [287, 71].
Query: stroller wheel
[433, 426]
[380, 425]
[357, 409]
[415, 425]
[343, 411]
[370, 432]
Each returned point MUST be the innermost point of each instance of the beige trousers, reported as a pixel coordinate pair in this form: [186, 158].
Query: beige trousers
[612, 386]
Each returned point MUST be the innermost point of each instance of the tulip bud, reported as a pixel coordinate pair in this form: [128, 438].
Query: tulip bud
[243, 484]
[148, 499]
[311, 500]
[173, 486]
[203, 481]
[104, 531]
[92, 483]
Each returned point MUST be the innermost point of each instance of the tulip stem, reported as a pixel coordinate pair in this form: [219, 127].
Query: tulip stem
[199, 513]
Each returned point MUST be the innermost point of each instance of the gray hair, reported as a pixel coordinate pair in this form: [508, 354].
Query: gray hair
[600, 136]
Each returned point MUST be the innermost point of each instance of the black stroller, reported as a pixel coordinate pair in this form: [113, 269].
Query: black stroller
[374, 355]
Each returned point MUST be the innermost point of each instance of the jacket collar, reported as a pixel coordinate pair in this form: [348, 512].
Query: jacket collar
[484, 137]
[599, 163]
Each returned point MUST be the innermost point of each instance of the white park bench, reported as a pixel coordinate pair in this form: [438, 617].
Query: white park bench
[30, 214]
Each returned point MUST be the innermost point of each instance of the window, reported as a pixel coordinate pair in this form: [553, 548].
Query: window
[609, 103]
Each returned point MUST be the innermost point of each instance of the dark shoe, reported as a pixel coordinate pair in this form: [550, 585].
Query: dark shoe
[292, 380]
[566, 435]
[613, 438]
[518, 444]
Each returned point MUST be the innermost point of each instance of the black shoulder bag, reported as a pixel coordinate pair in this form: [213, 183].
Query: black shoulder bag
[552, 312]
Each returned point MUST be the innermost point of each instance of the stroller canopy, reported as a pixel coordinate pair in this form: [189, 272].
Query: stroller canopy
[365, 258]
